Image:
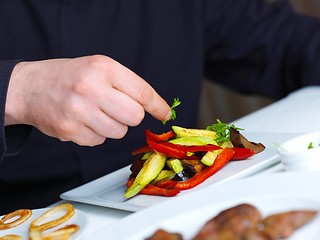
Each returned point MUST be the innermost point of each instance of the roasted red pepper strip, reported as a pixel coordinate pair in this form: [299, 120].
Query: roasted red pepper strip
[159, 137]
[130, 182]
[204, 148]
[154, 190]
[141, 150]
[200, 177]
[184, 149]
[169, 149]
[166, 183]
[242, 153]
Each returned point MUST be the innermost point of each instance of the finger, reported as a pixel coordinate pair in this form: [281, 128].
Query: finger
[89, 120]
[139, 90]
[104, 125]
[84, 136]
[122, 108]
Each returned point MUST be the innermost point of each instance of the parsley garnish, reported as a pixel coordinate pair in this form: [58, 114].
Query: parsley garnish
[311, 145]
[222, 130]
[176, 103]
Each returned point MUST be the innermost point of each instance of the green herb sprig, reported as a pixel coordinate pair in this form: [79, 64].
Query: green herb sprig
[310, 146]
[176, 103]
[222, 130]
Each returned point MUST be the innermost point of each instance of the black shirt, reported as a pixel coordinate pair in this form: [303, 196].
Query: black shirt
[246, 45]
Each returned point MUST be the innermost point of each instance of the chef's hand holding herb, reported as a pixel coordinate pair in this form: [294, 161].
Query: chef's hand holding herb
[84, 100]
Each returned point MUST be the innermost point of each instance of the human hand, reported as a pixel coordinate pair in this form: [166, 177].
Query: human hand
[84, 100]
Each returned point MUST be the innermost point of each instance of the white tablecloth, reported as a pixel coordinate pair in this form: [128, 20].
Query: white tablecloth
[298, 112]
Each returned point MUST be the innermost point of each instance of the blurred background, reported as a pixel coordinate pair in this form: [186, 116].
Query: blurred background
[218, 102]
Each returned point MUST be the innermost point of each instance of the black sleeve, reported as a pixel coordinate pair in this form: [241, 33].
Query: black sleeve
[260, 48]
[12, 138]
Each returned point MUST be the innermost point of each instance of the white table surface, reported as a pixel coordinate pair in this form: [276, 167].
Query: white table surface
[298, 112]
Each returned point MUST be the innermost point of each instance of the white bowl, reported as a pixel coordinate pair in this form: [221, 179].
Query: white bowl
[295, 155]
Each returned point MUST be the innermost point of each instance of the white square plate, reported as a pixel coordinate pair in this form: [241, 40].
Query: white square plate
[108, 191]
